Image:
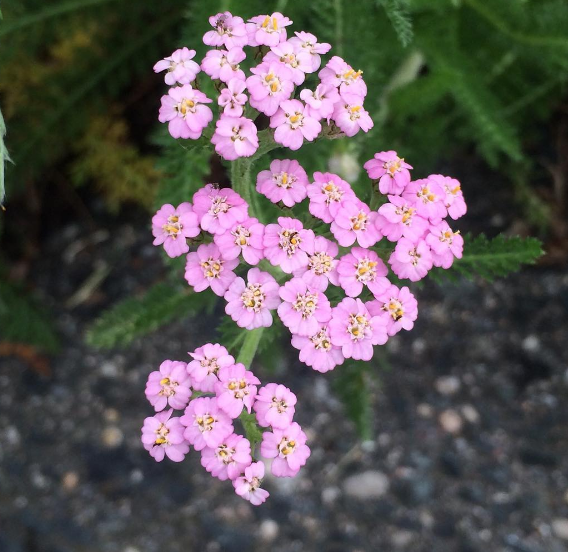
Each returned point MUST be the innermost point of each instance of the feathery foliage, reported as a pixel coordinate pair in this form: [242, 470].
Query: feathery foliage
[397, 12]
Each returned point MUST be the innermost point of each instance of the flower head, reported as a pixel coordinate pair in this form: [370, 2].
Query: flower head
[317, 350]
[397, 307]
[206, 363]
[179, 67]
[303, 308]
[206, 425]
[235, 137]
[268, 30]
[249, 304]
[244, 237]
[224, 65]
[162, 436]
[286, 244]
[308, 43]
[172, 226]
[228, 459]
[169, 386]
[354, 221]
[269, 85]
[286, 181]
[428, 198]
[454, 200]
[298, 61]
[327, 194]
[322, 264]
[445, 244]
[398, 218]
[248, 485]
[207, 268]
[390, 170]
[228, 30]
[411, 260]
[340, 74]
[274, 406]
[236, 389]
[184, 112]
[320, 103]
[355, 330]
[361, 267]
[232, 99]
[288, 449]
[219, 209]
[352, 117]
[293, 125]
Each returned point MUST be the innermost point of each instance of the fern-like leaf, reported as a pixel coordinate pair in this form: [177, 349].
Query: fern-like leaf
[138, 316]
[4, 157]
[491, 258]
[399, 16]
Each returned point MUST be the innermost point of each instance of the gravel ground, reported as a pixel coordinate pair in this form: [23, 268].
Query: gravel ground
[470, 422]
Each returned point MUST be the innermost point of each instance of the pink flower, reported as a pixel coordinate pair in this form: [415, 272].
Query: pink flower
[235, 137]
[268, 30]
[182, 109]
[206, 425]
[163, 436]
[361, 267]
[321, 103]
[309, 43]
[411, 260]
[350, 117]
[245, 237]
[303, 308]
[229, 459]
[398, 218]
[171, 227]
[286, 181]
[288, 448]
[236, 389]
[274, 406]
[224, 65]
[232, 98]
[397, 306]
[355, 221]
[229, 31]
[297, 60]
[180, 69]
[317, 350]
[454, 200]
[249, 304]
[391, 171]
[445, 244]
[326, 195]
[205, 366]
[269, 85]
[286, 244]
[207, 268]
[355, 330]
[248, 485]
[428, 198]
[340, 74]
[322, 264]
[292, 125]
[219, 209]
[169, 386]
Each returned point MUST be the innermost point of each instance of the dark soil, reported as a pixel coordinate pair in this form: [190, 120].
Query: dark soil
[470, 421]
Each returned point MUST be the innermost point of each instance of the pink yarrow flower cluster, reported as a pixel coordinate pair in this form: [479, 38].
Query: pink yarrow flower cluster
[324, 276]
[207, 423]
[270, 88]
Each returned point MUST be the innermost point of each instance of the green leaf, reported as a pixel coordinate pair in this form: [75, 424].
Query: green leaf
[22, 321]
[352, 386]
[252, 431]
[135, 317]
[397, 12]
[491, 258]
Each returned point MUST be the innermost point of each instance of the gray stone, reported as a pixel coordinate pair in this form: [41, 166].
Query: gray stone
[367, 485]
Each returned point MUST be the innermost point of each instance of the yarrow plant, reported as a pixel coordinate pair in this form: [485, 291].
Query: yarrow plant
[326, 275]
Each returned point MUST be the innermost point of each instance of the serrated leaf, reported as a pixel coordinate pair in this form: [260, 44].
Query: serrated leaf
[399, 16]
[138, 316]
[491, 258]
[252, 430]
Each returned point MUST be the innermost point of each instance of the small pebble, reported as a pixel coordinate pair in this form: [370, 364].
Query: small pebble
[330, 495]
[424, 410]
[70, 480]
[268, 530]
[531, 344]
[367, 485]
[112, 437]
[450, 421]
[560, 528]
[401, 539]
[448, 385]
[470, 414]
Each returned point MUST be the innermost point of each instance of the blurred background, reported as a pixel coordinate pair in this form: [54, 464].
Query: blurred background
[453, 439]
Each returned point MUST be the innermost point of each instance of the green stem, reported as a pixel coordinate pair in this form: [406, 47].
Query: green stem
[249, 347]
